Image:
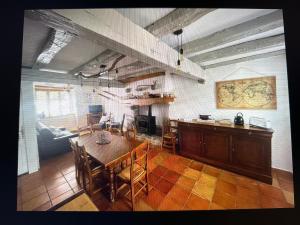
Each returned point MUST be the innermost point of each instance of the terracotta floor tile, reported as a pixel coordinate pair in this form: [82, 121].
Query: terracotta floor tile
[228, 177]
[53, 183]
[160, 171]
[197, 203]
[151, 166]
[164, 186]
[51, 174]
[271, 191]
[70, 176]
[142, 206]
[68, 170]
[44, 207]
[31, 185]
[203, 190]
[196, 165]
[76, 189]
[73, 183]
[247, 202]
[210, 170]
[214, 206]
[168, 204]
[154, 198]
[226, 187]
[247, 182]
[158, 160]
[223, 199]
[185, 161]
[169, 162]
[268, 202]
[61, 197]
[289, 196]
[35, 202]
[208, 180]
[179, 194]
[286, 185]
[275, 182]
[179, 168]
[243, 192]
[192, 173]
[281, 174]
[59, 190]
[153, 179]
[186, 182]
[172, 176]
[33, 193]
[152, 154]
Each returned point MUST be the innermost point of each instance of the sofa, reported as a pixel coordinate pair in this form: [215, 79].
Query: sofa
[52, 141]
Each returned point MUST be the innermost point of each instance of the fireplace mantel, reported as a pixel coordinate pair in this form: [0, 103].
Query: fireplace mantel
[150, 101]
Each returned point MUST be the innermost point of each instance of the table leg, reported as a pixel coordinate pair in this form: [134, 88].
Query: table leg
[112, 184]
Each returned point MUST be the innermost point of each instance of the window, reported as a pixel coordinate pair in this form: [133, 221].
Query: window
[52, 102]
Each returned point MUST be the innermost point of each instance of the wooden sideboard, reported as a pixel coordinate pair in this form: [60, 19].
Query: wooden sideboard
[240, 149]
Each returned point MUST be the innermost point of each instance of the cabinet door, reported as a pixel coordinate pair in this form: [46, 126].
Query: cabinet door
[252, 153]
[216, 146]
[190, 141]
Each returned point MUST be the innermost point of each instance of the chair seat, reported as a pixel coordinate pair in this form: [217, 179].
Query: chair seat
[125, 173]
[169, 135]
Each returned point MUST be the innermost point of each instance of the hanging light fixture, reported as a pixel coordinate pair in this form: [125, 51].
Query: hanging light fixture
[180, 50]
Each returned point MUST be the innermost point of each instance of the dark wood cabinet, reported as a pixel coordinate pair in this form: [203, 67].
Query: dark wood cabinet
[216, 146]
[242, 150]
[191, 139]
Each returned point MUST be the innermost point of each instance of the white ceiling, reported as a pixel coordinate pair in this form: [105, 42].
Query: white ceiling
[144, 16]
[214, 21]
[80, 51]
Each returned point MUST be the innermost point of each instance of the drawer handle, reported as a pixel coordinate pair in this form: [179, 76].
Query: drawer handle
[232, 149]
[249, 132]
[215, 128]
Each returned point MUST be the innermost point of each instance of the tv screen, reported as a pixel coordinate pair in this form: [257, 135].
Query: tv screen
[95, 109]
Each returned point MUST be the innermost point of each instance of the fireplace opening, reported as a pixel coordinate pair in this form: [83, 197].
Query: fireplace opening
[146, 124]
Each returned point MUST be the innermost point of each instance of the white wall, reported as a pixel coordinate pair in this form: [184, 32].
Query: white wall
[29, 122]
[193, 99]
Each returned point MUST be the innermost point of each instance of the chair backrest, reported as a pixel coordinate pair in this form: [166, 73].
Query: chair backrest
[84, 158]
[75, 151]
[130, 134]
[139, 160]
[169, 126]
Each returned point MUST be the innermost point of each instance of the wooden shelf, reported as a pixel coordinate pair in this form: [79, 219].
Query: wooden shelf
[149, 101]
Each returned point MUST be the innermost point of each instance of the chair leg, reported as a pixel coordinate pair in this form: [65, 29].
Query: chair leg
[132, 197]
[147, 186]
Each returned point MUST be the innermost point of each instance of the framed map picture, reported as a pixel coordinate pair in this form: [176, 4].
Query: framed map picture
[252, 93]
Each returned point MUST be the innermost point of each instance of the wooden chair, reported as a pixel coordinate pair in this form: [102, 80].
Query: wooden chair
[78, 163]
[169, 135]
[85, 130]
[136, 173]
[93, 173]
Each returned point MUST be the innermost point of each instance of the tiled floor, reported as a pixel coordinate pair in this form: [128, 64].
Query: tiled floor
[176, 183]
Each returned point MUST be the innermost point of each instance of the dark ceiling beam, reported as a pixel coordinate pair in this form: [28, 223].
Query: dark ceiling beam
[256, 26]
[142, 77]
[175, 20]
[243, 48]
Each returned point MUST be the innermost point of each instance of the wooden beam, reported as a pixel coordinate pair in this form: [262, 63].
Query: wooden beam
[43, 76]
[142, 77]
[105, 26]
[248, 58]
[256, 26]
[243, 48]
[177, 19]
[104, 57]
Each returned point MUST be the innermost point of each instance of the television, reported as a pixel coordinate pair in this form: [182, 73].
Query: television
[95, 109]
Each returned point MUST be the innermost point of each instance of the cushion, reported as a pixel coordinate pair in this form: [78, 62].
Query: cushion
[104, 119]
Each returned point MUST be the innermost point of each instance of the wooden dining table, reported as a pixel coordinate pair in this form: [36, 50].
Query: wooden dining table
[109, 155]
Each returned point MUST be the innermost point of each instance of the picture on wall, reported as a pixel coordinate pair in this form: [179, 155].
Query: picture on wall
[252, 93]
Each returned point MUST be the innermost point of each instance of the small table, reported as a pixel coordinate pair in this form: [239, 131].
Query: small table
[109, 155]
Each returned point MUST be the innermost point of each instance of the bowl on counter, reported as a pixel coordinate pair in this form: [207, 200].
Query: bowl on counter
[204, 117]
